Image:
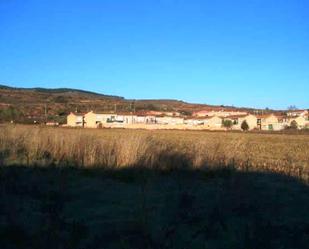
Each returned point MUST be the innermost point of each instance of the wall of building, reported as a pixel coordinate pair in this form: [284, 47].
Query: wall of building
[213, 123]
[301, 122]
[169, 120]
[271, 123]
[218, 113]
[93, 120]
[250, 119]
[126, 119]
[90, 120]
[74, 120]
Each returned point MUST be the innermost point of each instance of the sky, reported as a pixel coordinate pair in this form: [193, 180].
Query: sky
[252, 53]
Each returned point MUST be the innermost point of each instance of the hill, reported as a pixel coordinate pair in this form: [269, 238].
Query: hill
[40, 104]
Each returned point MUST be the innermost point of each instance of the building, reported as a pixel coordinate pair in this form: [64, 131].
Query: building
[219, 113]
[143, 118]
[194, 121]
[298, 113]
[125, 118]
[267, 122]
[299, 121]
[270, 122]
[94, 120]
[213, 123]
[169, 120]
[283, 121]
[237, 121]
[75, 120]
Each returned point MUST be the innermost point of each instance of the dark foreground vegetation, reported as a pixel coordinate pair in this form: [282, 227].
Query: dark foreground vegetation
[54, 207]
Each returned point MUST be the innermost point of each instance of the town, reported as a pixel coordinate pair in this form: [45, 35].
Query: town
[201, 120]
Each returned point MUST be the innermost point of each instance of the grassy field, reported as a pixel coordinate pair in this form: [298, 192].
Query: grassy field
[79, 188]
[118, 148]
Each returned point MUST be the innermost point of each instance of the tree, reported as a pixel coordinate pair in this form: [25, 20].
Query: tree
[294, 125]
[227, 123]
[186, 113]
[244, 125]
[10, 113]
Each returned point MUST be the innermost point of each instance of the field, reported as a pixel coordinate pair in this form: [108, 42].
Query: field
[119, 148]
[106, 188]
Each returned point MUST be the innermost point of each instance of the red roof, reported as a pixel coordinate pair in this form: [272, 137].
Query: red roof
[281, 116]
[264, 115]
[297, 111]
[237, 116]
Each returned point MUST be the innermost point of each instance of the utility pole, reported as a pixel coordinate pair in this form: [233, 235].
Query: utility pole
[134, 106]
[45, 111]
[115, 109]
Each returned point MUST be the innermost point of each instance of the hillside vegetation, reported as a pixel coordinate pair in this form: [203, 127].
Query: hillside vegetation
[25, 105]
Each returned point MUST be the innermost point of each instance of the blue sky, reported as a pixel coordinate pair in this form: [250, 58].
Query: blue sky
[242, 52]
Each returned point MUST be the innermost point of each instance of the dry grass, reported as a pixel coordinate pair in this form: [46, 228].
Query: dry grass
[33, 145]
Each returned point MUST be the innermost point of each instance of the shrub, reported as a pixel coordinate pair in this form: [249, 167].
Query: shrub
[294, 125]
[244, 125]
[227, 124]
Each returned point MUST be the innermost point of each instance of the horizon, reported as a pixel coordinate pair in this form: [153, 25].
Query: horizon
[245, 54]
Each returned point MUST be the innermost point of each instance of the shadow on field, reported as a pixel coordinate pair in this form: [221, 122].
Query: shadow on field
[136, 207]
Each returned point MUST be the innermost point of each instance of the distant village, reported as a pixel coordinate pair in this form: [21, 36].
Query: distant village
[201, 120]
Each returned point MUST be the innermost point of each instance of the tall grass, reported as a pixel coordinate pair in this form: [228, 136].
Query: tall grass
[43, 146]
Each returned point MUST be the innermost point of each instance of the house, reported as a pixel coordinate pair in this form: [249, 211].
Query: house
[219, 113]
[143, 118]
[94, 120]
[75, 120]
[169, 120]
[300, 122]
[237, 121]
[193, 121]
[298, 113]
[125, 118]
[213, 123]
[283, 121]
[269, 122]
